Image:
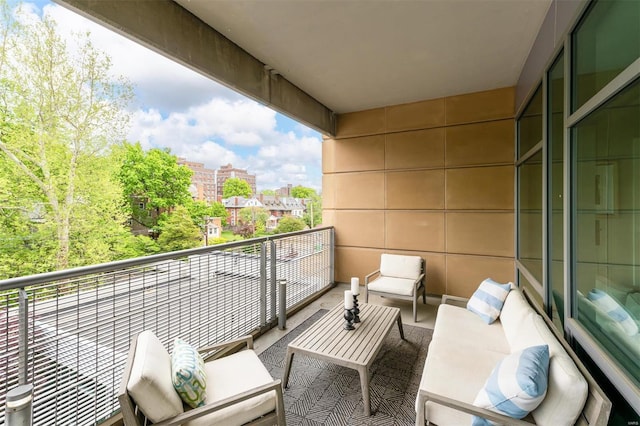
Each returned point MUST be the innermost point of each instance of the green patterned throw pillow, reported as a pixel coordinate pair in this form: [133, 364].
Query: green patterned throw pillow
[187, 374]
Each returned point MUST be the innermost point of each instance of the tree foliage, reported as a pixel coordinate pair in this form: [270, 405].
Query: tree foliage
[178, 232]
[236, 187]
[152, 182]
[61, 110]
[290, 224]
[313, 214]
[200, 211]
[256, 216]
[268, 192]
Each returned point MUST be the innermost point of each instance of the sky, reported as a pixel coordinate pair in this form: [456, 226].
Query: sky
[197, 118]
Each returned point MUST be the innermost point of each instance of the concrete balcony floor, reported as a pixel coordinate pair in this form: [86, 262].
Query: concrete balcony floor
[426, 313]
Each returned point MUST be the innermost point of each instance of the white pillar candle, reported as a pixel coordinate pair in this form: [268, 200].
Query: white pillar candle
[355, 286]
[348, 299]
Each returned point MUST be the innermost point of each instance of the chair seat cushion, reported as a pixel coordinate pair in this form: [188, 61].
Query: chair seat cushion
[230, 376]
[150, 381]
[392, 285]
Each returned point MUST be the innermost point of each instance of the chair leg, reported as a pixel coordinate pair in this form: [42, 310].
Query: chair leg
[415, 311]
[424, 296]
[366, 294]
[280, 407]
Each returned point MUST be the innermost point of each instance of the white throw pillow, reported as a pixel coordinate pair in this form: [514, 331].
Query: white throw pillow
[517, 384]
[488, 299]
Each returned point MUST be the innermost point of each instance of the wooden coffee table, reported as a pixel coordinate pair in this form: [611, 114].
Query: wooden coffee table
[327, 340]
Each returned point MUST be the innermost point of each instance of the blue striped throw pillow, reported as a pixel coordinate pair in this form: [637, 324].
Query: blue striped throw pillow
[488, 299]
[187, 374]
[614, 310]
[517, 384]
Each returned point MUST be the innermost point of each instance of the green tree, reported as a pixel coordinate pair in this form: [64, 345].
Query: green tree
[200, 211]
[256, 216]
[313, 213]
[152, 182]
[268, 192]
[60, 111]
[178, 232]
[236, 187]
[290, 224]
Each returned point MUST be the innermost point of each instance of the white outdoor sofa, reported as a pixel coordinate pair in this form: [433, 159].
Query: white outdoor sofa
[464, 351]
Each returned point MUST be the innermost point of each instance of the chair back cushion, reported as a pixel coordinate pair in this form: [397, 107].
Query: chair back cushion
[399, 266]
[150, 380]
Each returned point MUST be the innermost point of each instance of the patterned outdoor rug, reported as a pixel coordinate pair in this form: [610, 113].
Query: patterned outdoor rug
[321, 393]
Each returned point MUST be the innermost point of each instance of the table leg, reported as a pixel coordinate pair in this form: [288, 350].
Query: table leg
[364, 383]
[400, 327]
[287, 368]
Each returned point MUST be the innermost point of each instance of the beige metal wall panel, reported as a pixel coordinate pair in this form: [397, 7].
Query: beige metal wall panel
[407, 179]
[328, 217]
[359, 154]
[328, 155]
[355, 262]
[480, 188]
[361, 123]
[328, 191]
[413, 150]
[416, 115]
[489, 234]
[415, 230]
[359, 190]
[465, 273]
[481, 143]
[480, 106]
[415, 189]
[362, 228]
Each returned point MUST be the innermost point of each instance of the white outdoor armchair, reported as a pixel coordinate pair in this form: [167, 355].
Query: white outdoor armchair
[240, 390]
[400, 277]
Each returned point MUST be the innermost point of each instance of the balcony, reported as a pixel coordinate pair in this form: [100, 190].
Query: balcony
[68, 332]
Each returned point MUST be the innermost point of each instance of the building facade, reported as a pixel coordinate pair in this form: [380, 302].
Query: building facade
[203, 179]
[228, 171]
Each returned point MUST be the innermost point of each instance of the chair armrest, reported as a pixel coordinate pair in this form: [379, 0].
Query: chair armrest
[366, 278]
[219, 405]
[418, 281]
[424, 396]
[224, 348]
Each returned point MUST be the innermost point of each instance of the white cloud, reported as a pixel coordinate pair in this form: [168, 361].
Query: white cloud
[199, 119]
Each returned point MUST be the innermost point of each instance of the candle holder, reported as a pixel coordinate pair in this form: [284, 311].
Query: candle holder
[356, 310]
[348, 323]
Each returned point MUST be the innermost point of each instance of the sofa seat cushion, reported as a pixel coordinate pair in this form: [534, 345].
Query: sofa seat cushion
[400, 266]
[392, 285]
[230, 376]
[457, 373]
[469, 331]
[150, 380]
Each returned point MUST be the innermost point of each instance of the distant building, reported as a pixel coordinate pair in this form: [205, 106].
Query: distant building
[278, 207]
[285, 191]
[213, 229]
[228, 171]
[203, 180]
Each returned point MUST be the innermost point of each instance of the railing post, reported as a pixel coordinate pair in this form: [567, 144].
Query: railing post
[273, 277]
[19, 406]
[332, 259]
[23, 335]
[263, 284]
[282, 312]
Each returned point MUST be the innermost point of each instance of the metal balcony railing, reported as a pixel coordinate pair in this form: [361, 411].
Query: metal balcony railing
[68, 332]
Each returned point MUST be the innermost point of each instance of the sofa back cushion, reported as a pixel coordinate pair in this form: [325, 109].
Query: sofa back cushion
[514, 310]
[567, 389]
[399, 266]
[150, 380]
